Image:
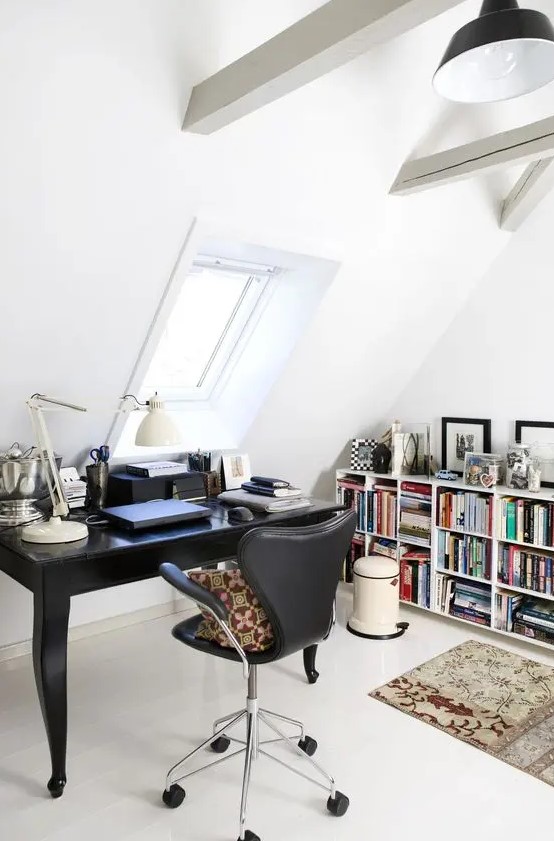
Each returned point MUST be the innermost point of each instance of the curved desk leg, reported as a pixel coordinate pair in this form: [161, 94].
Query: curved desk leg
[51, 616]
[309, 663]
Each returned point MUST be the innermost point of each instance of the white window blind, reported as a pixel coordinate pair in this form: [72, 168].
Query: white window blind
[206, 328]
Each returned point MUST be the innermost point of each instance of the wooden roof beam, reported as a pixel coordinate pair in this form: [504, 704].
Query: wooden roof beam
[329, 37]
[525, 144]
[528, 191]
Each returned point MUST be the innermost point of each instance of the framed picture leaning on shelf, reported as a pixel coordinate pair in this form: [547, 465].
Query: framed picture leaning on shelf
[361, 456]
[461, 436]
[540, 437]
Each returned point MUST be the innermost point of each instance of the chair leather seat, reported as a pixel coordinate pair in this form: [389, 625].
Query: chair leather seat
[185, 632]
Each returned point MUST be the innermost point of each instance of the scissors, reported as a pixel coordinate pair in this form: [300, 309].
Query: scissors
[100, 454]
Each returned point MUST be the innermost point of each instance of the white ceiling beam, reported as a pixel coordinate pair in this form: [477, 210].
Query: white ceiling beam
[518, 145]
[329, 37]
[530, 189]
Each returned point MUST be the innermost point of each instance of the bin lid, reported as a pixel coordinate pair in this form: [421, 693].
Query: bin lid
[376, 566]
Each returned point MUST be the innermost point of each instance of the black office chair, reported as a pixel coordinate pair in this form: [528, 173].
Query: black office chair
[294, 573]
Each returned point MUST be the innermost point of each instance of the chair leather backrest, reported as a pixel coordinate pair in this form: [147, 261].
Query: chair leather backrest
[294, 572]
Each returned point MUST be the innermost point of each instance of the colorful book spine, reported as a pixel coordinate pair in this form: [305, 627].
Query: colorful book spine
[528, 570]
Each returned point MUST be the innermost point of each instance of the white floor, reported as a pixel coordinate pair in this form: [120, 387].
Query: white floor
[138, 699]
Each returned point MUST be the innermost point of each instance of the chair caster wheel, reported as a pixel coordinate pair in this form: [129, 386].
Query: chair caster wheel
[220, 744]
[250, 836]
[338, 805]
[174, 796]
[308, 745]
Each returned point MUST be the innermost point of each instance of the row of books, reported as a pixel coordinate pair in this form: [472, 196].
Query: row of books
[463, 599]
[506, 606]
[351, 493]
[535, 619]
[415, 513]
[464, 553]
[381, 510]
[528, 570]
[527, 521]
[415, 577]
[357, 550]
[465, 510]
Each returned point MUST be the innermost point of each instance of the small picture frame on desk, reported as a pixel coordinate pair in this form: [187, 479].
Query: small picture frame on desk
[235, 470]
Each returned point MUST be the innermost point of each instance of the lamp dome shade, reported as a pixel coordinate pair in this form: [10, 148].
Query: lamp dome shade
[157, 429]
[504, 53]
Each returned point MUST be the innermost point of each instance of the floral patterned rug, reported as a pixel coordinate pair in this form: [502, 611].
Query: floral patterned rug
[486, 696]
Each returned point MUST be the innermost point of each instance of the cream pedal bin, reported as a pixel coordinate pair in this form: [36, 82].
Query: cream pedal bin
[376, 599]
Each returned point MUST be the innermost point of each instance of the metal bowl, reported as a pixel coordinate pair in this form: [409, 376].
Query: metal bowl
[22, 478]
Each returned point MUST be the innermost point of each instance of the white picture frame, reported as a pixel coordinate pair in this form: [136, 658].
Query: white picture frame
[236, 470]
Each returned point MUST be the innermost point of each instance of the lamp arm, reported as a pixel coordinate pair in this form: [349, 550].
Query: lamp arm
[60, 507]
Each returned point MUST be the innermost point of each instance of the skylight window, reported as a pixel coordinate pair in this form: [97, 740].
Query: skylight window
[223, 331]
[206, 328]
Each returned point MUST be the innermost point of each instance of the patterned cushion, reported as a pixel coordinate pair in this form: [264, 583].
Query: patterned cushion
[247, 618]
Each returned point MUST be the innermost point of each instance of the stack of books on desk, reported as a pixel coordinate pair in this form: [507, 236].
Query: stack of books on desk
[265, 494]
[271, 487]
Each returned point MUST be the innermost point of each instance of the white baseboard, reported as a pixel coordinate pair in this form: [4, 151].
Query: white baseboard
[101, 626]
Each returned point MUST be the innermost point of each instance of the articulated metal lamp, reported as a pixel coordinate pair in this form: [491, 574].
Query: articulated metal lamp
[504, 53]
[155, 430]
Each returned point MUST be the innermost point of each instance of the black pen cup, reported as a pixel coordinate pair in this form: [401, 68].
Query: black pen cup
[97, 485]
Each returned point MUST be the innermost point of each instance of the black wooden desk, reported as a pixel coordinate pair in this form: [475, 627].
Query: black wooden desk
[109, 557]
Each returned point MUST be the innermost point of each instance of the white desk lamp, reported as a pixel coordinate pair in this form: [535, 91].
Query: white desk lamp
[155, 430]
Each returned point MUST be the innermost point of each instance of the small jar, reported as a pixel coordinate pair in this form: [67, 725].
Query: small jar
[534, 476]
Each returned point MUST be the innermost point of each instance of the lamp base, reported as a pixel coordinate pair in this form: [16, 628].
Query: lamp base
[55, 530]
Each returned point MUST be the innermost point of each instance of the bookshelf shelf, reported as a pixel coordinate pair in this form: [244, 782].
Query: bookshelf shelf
[370, 484]
[462, 531]
[529, 546]
[411, 541]
[465, 621]
[451, 572]
[534, 593]
[521, 638]
[417, 606]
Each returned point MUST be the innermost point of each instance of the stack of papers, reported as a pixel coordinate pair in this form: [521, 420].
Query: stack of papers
[74, 489]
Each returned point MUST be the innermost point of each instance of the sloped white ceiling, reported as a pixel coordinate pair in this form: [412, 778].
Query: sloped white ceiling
[99, 186]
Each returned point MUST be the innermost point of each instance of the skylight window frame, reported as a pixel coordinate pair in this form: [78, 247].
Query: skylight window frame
[232, 339]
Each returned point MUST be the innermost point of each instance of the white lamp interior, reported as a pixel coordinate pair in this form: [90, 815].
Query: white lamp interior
[497, 71]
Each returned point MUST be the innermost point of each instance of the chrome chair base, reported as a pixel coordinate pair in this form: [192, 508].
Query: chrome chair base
[253, 747]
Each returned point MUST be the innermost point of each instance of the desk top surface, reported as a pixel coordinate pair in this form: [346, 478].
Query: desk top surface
[104, 540]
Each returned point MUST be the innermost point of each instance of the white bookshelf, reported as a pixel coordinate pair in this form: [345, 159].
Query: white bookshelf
[497, 494]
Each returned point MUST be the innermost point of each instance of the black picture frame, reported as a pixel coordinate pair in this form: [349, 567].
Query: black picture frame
[485, 428]
[547, 479]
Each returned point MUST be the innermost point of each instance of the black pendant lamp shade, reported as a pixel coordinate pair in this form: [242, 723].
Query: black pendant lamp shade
[504, 53]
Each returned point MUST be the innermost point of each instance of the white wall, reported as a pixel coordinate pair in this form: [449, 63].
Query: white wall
[494, 360]
[99, 186]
